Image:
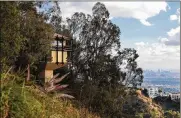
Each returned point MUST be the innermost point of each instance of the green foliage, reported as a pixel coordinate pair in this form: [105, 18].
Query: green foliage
[37, 33]
[21, 101]
[106, 101]
[15, 101]
[145, 92]
[96, 70]
[25, 36]
[131, 75]
[100, 84]
[160, 90]
[172, 114]
[10, 35]
[140, 115]
[97, 38]
[167, 104]
[91, 51]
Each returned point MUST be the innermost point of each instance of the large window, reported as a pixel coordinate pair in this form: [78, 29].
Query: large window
[55, 43]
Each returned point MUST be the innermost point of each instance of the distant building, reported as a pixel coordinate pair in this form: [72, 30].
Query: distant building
[175, 96]
[164, 94]
[153, 92]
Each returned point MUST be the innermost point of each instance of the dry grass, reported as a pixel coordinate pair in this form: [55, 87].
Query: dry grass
[152, 107]
[20, 101]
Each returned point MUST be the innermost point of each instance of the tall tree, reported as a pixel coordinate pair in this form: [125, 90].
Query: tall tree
[25, 35]
[10, 35]
[96, 36]
[53, 15]
[94, 65]
[37, 33]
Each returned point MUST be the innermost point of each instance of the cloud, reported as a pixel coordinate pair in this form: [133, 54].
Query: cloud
[163, 54]
[174, 41]
[140, 44]
[173, 35]
[162, 40]
[144, 22]
[158, 55]
[69, 8]
[173, 17]
[176, 16]
[141, 11]
[173, 32]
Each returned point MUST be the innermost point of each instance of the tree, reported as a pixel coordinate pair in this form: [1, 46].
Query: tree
[95, 65]
[25, 35]
[97, 35]
[160, 91]
[53, 15]
[98, 59]
[132, 76]
[10, 35]
[37, 34]
[145, 92]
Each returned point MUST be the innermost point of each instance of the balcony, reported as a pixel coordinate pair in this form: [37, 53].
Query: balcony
[65, 48]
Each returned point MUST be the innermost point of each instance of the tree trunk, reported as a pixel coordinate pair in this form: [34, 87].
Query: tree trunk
[28, 73]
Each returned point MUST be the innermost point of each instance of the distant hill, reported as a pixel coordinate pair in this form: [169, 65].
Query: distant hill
[161, 74]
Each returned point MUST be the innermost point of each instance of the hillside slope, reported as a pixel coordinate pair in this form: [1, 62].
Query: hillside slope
[139, 106]
[20, 101]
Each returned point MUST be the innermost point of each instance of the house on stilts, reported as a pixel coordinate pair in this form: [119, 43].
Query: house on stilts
[59, 56]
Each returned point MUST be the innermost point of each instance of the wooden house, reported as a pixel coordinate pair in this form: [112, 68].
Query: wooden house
[59, 56]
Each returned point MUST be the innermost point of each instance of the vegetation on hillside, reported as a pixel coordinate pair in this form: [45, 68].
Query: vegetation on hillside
[167, 104]
[25, 36]
[102, 71]
[104, 77]
[20, 100]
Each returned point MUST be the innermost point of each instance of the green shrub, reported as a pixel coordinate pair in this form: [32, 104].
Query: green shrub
[20, 101]
[172, 114]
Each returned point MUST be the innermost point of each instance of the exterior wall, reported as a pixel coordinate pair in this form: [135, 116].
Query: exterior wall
[153, 92]
[48, 75]
[175, 96]
[51, 59]
[54, 55]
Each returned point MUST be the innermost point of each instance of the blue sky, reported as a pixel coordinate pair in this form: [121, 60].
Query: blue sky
[133, 31]
[152, 28]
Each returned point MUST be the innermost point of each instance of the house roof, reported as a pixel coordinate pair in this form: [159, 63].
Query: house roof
[60, 36]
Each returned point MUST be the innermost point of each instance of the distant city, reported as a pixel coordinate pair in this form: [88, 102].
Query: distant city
[161, 74]
[168, 80]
